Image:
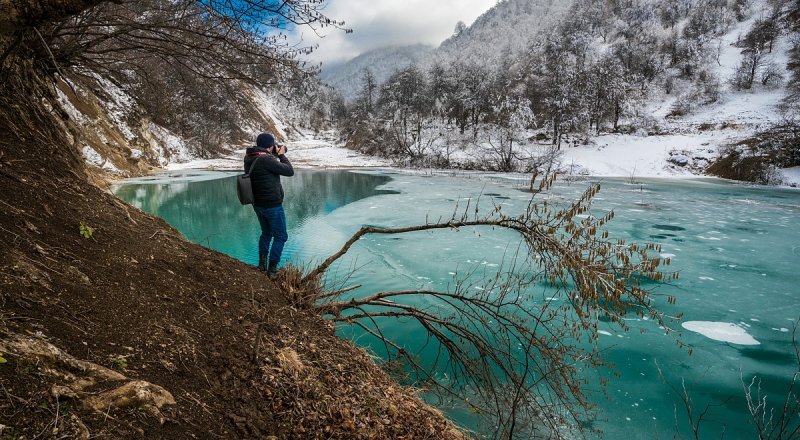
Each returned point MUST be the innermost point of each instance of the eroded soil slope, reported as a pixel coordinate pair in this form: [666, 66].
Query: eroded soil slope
[136, 303]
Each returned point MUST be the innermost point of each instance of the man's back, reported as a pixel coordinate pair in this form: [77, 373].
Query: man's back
[265, 176]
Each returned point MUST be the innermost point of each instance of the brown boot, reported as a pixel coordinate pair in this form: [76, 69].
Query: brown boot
[272, 272]
[262, 263]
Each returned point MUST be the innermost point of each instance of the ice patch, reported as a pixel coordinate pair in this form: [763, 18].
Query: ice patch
[603, 332]
[721, 331]
[707, 278]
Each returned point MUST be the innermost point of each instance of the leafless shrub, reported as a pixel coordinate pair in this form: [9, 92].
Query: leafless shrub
[771, 76]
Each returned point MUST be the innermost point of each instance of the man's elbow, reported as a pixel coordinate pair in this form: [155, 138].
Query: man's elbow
[289, 172]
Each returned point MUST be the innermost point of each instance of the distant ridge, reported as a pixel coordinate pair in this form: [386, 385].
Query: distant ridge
[346, 77]
[504, 29]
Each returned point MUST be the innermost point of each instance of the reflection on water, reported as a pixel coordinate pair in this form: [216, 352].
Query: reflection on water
[207, 211]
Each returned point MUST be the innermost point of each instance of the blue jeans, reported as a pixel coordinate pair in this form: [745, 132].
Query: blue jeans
[273, 230]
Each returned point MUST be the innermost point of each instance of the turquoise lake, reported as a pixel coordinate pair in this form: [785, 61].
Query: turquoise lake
[737, 249]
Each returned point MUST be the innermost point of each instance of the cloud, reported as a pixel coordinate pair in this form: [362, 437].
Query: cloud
[380, 23]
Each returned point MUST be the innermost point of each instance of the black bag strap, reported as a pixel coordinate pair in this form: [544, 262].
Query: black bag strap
[253, 164]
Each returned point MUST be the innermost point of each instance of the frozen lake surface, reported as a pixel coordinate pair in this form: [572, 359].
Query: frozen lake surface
[737, 249]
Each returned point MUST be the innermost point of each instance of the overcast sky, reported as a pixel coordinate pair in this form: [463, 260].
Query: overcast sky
[380, 23]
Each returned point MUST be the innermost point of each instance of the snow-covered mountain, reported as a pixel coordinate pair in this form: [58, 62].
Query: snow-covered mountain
[503, 30]
[346, 77]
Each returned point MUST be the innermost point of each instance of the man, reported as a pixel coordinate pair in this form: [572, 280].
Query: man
[268, 193]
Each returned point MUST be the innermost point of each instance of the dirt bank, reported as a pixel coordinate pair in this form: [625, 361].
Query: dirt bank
[128, 303]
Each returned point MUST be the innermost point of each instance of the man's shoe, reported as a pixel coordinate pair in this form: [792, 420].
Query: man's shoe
[262, 264]
[272, 272]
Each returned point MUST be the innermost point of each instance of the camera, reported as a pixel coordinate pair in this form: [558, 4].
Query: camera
[278, 147]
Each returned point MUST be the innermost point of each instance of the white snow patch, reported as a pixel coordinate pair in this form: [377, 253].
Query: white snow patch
[265, 105]
[721, 331]
[118, 107]
[626, 155]
[94, 158]
[171, 148]
[306, 152]
[791, 176]
[66, 104]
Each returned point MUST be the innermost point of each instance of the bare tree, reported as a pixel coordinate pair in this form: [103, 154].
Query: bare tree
[752, 62]
[513, 349]
[187, 62]
[512, 117]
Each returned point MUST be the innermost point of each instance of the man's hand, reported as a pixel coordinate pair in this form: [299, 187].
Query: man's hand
[280, 150]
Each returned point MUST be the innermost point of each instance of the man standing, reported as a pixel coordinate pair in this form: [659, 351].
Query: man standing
[269, 162]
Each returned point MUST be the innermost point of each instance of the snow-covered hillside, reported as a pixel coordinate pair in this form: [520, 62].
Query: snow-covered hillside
[502, 31]
[591, 87]
[117, 136]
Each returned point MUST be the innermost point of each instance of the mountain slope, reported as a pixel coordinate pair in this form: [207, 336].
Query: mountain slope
[503, 30]
[346, 77]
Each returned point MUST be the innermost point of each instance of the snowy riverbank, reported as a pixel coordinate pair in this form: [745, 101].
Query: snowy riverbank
[669, 156]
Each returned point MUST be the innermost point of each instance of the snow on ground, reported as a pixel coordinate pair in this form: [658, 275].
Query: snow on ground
[791, 176]
[626, 155]
[690, 144]
[265, 105]
[305, 152]
[310, 152]
[721, 331]
[756, 109]
[92, 157]
[170, 148]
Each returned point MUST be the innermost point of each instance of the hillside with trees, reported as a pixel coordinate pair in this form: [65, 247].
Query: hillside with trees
[346, 77]
[149, 83]
[605, 68]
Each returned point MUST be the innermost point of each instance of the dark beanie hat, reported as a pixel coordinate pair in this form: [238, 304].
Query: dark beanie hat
[265, 140]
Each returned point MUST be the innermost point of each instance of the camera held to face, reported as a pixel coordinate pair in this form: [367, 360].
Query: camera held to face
[277, 148]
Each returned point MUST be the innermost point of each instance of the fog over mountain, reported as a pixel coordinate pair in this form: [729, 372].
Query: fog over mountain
[503, 30]
[346, 77]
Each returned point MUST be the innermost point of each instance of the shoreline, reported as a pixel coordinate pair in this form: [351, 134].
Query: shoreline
[322, 154]
[158, 176]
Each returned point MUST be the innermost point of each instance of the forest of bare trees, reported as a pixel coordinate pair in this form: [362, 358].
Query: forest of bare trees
[568, 83]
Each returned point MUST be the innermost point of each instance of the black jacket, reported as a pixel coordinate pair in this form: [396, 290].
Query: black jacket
[266, 176]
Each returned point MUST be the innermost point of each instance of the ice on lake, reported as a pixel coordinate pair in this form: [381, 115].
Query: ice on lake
[721, 331]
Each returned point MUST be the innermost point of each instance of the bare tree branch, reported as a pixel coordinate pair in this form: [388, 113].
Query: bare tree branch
[513, 348]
